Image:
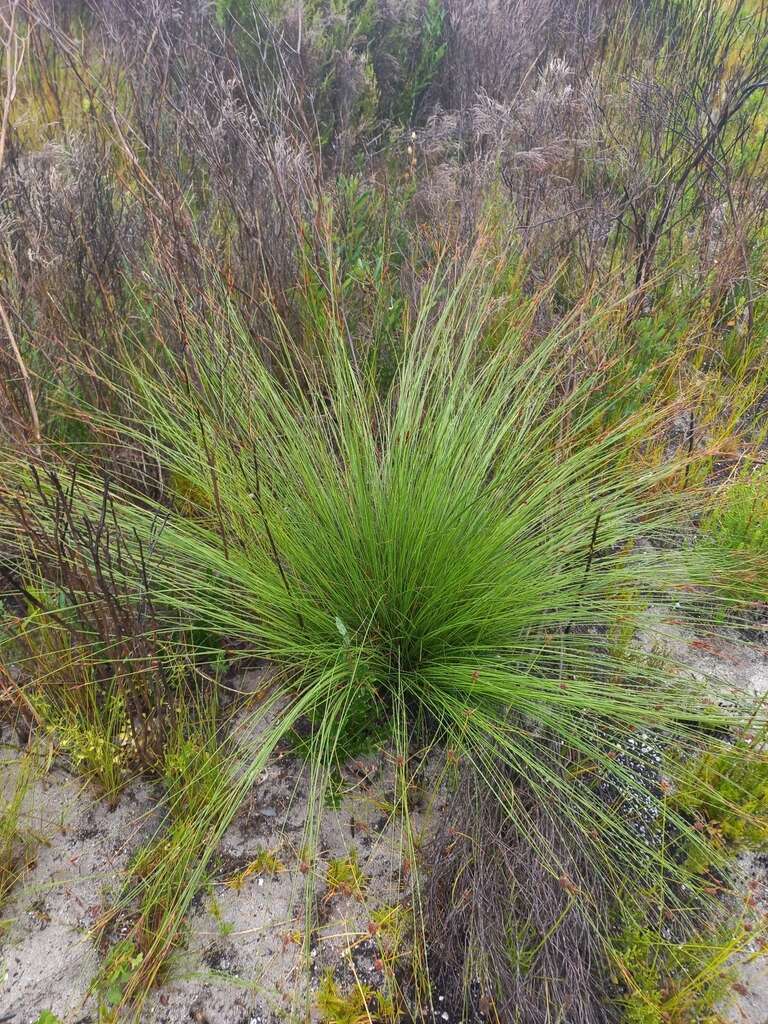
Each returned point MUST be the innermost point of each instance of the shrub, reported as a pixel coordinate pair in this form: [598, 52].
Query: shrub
[738, 524]
[728, 793]
[739, 520]
[668, 982]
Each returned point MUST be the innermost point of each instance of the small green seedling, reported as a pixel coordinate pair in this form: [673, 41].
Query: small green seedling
[264, 863]
[363, 1005]
[117, 971]
[345, 877]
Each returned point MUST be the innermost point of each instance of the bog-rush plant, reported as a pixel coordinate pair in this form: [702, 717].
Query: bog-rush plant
[446, 565]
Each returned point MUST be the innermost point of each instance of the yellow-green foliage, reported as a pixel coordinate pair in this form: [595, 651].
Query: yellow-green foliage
[345, 877]
[193, 761]
[392, 928]
[724, 793]
[739, 520]
[673, 983]
[739, 523]
[85, 716]
[196, 781]
[264, 863]
[363, 1005]
[393, 924]
[728, 792]
[92, 730]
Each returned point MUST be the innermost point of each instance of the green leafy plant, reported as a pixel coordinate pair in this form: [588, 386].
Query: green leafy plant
[122, 964]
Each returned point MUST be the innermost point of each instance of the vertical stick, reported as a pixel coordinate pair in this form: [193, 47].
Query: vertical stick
[691, 433]
[14, 48]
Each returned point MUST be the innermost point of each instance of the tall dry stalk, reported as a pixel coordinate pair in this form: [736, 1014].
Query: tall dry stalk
[14, 49]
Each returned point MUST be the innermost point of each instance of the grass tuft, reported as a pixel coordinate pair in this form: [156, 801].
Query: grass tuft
[446, 565]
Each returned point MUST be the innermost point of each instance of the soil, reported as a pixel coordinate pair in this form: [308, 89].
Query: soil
[242, 959]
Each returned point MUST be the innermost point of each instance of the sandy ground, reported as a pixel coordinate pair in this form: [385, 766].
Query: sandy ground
[46, 956]
[242, 961]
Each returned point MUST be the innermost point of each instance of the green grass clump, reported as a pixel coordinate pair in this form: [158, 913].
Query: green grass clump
[436, 502]
[345, 877]
[448, 563]
[266, 862]
[362, 1005]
